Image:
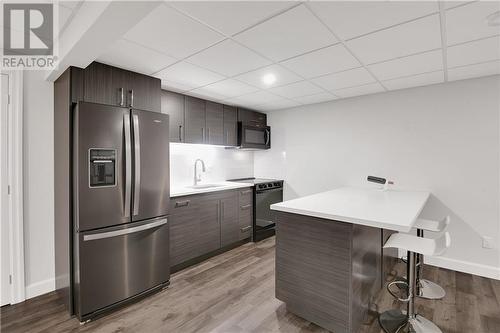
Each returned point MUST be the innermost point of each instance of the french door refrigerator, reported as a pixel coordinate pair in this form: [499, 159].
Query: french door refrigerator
[121, 198]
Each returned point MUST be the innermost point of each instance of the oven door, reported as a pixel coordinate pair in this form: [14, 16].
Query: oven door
[265, 217]
[252, 137]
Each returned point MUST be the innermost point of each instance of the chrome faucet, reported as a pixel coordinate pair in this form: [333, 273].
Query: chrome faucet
[197, 177]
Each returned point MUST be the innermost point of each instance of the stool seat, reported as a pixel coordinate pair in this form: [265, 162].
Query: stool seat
[431, 225]
[425, 246]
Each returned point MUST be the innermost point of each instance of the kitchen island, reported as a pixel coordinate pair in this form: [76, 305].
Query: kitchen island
[329, 258]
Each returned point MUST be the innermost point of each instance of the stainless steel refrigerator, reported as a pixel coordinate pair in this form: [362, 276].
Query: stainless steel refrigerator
[120, 202]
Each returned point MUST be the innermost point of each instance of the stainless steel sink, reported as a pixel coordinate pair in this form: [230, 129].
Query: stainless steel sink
[202, 186]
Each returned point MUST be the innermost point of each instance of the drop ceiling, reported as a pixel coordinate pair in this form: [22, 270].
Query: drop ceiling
[318, 51]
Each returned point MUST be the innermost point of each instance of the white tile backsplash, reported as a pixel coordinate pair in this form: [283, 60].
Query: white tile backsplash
[221, 163]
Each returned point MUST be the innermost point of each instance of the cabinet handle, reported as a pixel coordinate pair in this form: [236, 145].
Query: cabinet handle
[245, 229]
[246, 206]
[131, 91]
[246, 192]
[227, 137]
[181, 203]
[180, 133]
[203, 134]
[120, 91]
[208, 135]
[222, 210]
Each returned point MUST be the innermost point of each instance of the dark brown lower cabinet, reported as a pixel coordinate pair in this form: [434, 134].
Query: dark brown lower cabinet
[327, 271]
[229, 226]
[202, 224]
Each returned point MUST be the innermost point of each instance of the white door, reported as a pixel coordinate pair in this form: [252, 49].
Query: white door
[5, 295]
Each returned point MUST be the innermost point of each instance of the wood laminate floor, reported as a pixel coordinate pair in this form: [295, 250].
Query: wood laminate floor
[234, 292]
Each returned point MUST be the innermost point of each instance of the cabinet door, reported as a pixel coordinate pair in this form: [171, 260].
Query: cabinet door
[143, 92]
[194, 117]
[173, 105]
[230, 126]
[229, 225]
[105, 84]
[184, 230]
[209, 225]
[214, 123]
[245, 217]
[252, 117]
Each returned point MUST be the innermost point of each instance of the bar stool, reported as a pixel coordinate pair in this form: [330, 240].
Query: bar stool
[395, 320]
[425, 288]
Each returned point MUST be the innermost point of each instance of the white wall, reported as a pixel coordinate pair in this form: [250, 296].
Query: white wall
[38, 183]
[444, 138]
[221, 164]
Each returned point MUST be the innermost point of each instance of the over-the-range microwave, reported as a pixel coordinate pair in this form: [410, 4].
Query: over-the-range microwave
[253, 137]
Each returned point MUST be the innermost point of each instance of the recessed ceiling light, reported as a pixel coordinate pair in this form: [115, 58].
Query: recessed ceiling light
[269, 78]
[493, 19]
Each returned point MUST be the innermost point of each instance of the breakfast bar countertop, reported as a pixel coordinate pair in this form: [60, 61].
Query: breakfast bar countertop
[391, 209]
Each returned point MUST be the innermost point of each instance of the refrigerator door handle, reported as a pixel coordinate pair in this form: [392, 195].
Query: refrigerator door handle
[128, 164]
[121, 232]
[137, 164]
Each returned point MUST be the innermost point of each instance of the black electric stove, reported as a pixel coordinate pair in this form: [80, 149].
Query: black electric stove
[266, 192]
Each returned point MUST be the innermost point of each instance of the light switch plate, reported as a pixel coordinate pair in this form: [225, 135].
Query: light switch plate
[488, 242]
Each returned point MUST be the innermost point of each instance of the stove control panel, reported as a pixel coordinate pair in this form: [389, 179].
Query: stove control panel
[270, 185]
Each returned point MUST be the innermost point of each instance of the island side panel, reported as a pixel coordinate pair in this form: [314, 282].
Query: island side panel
[313, 269]
[366, 271]
[389, 258]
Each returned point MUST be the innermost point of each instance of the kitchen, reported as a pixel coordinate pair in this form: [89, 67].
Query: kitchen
[210, 140]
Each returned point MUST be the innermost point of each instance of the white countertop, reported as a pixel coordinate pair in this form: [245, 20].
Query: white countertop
[222, 186]
[393, 209]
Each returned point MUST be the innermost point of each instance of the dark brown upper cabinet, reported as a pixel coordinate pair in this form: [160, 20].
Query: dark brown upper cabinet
[194, 120]
[214, 123]
[115, 86]
[230, 126]
[252, 117]
[173, 105]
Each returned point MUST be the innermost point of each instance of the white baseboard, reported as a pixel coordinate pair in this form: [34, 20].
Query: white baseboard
[40, 288]
[491, 272]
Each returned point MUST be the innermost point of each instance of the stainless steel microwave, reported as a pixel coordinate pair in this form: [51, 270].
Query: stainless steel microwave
[253, 137]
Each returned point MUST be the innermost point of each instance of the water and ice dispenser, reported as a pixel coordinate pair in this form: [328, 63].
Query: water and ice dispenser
[102, 167]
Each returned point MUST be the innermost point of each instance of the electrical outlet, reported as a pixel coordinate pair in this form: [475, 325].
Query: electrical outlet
[488, 242]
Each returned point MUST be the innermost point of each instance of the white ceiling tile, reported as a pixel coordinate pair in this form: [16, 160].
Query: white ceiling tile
[208, 95]
[471, 71]
[316, 98]
[70, 4]
[350, 78]
[231, 17]
[280, 104]
[474, 52]
[134, 57]
[287, 35]
[415, 64]
[332, 59]
[254, 99]
[415, 81]
[283, 76]
[297, 89]
[228, 88]
[64, 15]
[171, 32]
[453, 4]
[228, 58]
[468, 22]
[174, 86]
[354, 18]
[402, 40]
[365, 89]
[188, 75]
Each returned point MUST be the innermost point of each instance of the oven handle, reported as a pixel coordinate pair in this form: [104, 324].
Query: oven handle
[268, 137]
[270, 190]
